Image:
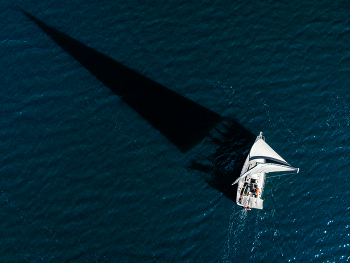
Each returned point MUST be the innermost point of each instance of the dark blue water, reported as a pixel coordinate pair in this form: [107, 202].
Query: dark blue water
[85, 178]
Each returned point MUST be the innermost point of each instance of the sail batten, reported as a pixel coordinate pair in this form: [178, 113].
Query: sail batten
[271, 167]
[261, 150]
[267, 168]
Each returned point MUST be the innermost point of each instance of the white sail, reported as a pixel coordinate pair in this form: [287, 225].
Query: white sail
[261, 150]
[268, 168]
[271, 167]
[252, 178]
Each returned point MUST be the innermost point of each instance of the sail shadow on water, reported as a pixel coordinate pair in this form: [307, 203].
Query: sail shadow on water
[184, 122]
[225, 164]
[244, 161]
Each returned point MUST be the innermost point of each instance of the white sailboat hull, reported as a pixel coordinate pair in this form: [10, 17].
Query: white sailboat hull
[246, 197]
[251, 181]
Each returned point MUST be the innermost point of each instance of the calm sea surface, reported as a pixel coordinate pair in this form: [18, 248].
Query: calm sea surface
[84, 178]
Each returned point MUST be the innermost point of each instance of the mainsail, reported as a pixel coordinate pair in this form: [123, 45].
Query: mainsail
[271, 167]
[268, 168]
[261, 150]
[255, 168]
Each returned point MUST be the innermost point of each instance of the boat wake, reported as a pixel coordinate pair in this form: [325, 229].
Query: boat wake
[234, 231]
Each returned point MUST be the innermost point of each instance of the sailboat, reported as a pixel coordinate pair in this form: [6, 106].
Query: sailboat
[252, 178]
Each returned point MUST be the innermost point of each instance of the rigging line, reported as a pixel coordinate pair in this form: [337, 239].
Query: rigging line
[281, 182]
[277, 175]
[289, 138]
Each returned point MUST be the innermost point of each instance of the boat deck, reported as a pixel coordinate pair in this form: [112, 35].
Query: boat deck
[252, 178]
[250, 191]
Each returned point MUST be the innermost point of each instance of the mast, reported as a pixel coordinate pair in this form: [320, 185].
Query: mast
[260, 152]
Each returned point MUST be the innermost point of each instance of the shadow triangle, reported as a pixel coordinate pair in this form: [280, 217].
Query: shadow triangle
[224, 165]
[184, 122]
